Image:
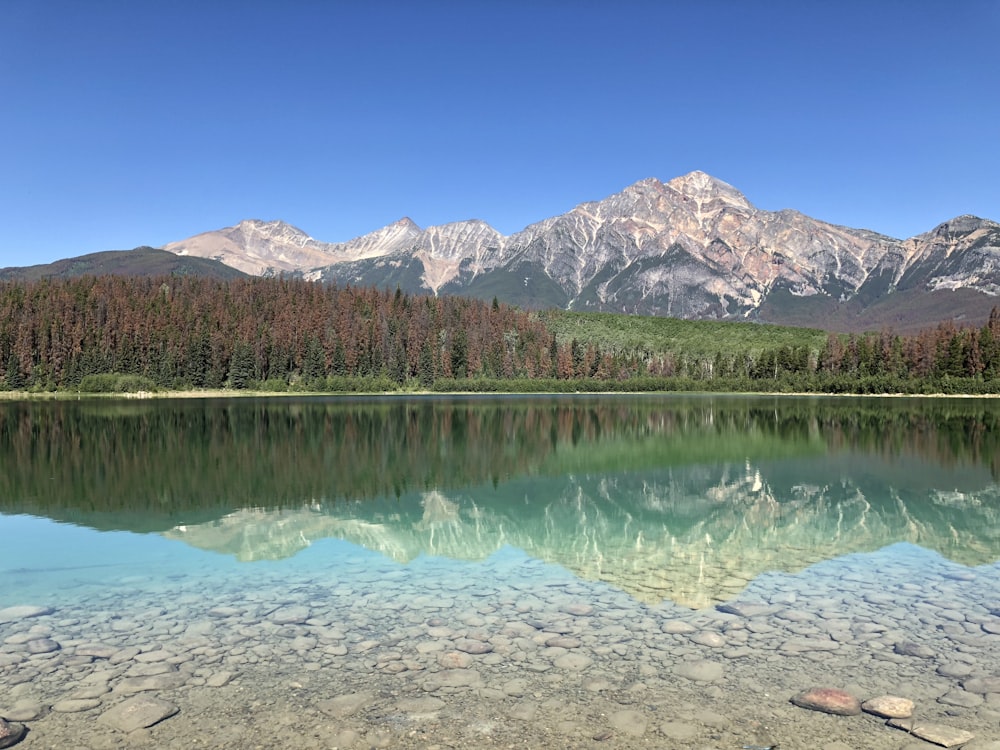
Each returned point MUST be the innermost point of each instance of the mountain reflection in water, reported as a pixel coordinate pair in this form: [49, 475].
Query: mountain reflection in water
[680, 498]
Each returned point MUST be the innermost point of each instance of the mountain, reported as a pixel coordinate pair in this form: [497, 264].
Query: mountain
[143, 261]
[693, 247]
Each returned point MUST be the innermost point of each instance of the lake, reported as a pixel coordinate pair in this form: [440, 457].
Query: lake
[498, 572]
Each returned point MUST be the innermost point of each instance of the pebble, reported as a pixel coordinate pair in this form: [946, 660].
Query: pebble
[11, 732]
[346, 705]
[75, 705]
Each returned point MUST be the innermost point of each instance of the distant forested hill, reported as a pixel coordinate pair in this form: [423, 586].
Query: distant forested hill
[142, 261]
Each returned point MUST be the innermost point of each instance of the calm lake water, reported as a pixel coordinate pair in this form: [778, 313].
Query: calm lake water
[626, 572]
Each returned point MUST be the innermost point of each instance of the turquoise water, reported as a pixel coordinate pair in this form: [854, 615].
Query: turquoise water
[605, 549]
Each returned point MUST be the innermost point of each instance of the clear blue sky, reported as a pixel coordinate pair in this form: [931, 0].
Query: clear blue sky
[140, 122]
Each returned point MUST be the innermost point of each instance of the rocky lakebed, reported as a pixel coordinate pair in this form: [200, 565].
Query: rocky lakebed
[881, 651]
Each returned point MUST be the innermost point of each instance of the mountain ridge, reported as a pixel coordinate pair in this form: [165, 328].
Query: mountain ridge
[692, 247]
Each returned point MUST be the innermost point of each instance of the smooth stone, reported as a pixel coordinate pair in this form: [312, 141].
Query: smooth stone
[11, 732]
[25, 710]
[452, 678]
[801, 645]
[678, 730]
[42, 646]
[23, 612]
[149, 657]
[961, 698]
[524, 711]
[700, 671]
[629, 722]
[982, 685]
[889, 707]
[345, 705]
[577, 609]
[745, 609]
[91, 691]
[138, 712]
[564, 641]
[515, 688]
[939, 734]
[709, 638]
[455, 660]
[218, 679]
[909, 648]
[295, 615]
[677, 627]
[991, 626]
[470, 646]
[168, 681]
[420, 708]
[828, 700]
[573, 662]
[955, 670]
[75, 705]
[96, 650]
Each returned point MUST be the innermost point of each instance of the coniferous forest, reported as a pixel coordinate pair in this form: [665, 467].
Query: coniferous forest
[114, 333]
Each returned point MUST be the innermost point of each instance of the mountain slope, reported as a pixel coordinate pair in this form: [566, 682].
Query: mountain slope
[142, 261]
[693, 247]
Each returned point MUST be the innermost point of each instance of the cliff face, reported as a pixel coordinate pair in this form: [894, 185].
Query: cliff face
[693, 247]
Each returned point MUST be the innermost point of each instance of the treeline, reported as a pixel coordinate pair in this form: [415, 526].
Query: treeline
[112, 333]
[190, 332]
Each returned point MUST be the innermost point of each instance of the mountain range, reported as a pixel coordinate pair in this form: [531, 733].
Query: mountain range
[693, 247]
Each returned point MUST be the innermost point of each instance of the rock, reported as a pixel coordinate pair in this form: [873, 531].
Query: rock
[75, 705]
[961, 698]
[563, 641]
[138, 712]
[577, 609]
[678, 730]
[25, 710]
[452, 678]
[709, 638]
[168, 681]
[745, 609]
[991, 626]
[677, 627]
[629, 722]
[909, 648]
[470, 646]
[23, 612]
[455, 660]
[700, 671]
[11, 732]
[42, 646]
[289, 615]
[829, 701]
[939, 734]
[96, 650]
[346, 705]
[218, 679]
[573, 662]
[982, 685]
[889, 707]
[955, 669]
[420, 708]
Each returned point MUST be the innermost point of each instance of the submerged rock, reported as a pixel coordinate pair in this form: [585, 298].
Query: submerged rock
[829, 701]
[939, 734]
[889, 707]
[11, 732]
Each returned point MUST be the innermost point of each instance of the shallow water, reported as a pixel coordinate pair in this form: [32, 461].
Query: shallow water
[569, 572]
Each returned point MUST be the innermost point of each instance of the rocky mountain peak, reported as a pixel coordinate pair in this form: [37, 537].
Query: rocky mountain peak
[703, 188]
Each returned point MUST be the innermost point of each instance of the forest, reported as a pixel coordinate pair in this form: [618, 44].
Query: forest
[115, 333]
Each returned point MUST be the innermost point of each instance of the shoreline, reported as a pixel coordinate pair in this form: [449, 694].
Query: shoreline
[243, 394]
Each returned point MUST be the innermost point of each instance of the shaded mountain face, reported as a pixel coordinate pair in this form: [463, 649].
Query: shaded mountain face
[143, 261]
[693, 247]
